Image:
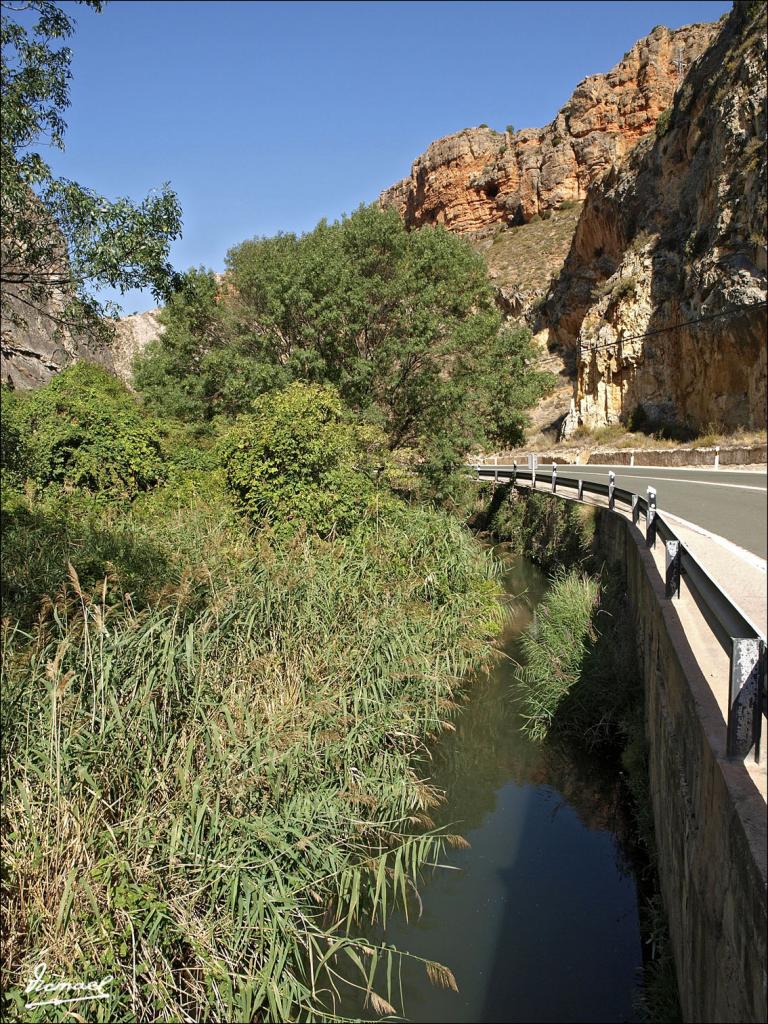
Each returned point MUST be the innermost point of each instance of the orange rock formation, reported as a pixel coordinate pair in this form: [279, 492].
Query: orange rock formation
[479, 177]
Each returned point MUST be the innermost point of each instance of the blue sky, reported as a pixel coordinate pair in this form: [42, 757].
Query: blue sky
[266, 117]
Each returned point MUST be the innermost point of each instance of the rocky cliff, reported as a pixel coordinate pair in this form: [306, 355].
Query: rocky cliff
[479, 177]
[34, 351]
[662, 296]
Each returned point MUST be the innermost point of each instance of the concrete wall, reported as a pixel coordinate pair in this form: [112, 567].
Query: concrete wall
[709, 813]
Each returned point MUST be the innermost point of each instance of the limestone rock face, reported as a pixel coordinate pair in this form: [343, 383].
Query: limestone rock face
[35, 345]
[669, 249]
[479, 177]
[132, 335]
[32, 352]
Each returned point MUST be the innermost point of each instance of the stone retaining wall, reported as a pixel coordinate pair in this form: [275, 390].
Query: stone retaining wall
[710, 817]
[730, 455]
[736, 455]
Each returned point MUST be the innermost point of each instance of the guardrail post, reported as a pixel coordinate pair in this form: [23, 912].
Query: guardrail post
[611, 487]
[496, 474]
[650, 519]
[580, 491]
[533, 475]
[762, 687]
[673, 568]
[744, 710]
[514, 473]
[635, 509]
[717, 456]
[554, 478]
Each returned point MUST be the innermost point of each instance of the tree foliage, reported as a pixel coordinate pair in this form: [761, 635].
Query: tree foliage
[83, 429]
[403, 324]
[298, 459]
[60, 239]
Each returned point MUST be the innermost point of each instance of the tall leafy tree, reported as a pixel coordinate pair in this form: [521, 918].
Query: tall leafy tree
[62, 240]
[403, 324]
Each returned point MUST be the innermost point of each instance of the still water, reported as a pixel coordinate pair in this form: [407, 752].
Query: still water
[538, 920]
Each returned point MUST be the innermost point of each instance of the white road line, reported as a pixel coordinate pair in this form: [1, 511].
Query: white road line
[677, 480]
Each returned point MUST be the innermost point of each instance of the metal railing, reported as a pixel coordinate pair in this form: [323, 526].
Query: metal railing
[742, 641]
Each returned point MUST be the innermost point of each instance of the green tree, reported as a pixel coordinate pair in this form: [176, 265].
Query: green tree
[404, 325]
[394, 319]
[84, 429]
[298, 459]
[193, 372]
[60, 240]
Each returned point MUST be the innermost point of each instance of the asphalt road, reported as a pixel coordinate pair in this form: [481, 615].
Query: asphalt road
[732, 504]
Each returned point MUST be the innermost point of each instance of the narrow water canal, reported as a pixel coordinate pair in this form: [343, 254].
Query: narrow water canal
[538, 920]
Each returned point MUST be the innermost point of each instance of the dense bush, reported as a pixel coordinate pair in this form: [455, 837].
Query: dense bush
[545, 529]
[297, 459]
[84, 429]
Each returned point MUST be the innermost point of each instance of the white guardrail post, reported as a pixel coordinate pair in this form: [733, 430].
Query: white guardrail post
[672, 575]
[554, 478]
[611, 488]
[745, 697]
[650, 518]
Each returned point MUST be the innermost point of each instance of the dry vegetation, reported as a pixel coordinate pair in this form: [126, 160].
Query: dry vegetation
[529, 256]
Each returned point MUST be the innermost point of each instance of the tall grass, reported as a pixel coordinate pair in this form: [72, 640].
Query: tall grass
[555, 649]
[202, 797]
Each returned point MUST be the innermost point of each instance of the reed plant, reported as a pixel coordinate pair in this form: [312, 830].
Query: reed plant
[208, 785]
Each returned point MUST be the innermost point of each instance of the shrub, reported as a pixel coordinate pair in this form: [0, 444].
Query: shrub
[83, 429]
[14, 452]
[615, 290]
[298, 460]
[511, 129]
[663, 122]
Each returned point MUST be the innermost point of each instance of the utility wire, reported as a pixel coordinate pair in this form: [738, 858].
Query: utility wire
[673, 327]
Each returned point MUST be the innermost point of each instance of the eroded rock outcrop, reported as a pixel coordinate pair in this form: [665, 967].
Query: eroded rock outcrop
[663, 293]
[479, 177]
[132, 335]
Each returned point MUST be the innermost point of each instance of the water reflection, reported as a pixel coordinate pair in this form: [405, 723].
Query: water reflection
[538, 919]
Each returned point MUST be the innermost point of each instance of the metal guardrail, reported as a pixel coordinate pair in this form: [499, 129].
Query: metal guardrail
[744, 644]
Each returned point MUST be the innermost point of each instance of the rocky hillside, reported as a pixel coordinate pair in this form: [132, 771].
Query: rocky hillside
[669, 242]
[479, 177]
[32, 352]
